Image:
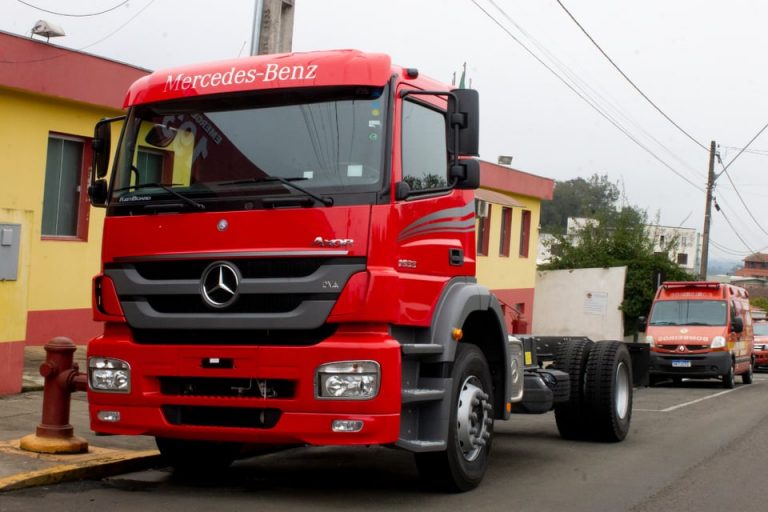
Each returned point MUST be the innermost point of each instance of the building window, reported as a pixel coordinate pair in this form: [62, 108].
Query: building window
[154, 166]
[484, 232]
[525, 233]
[425, 155]
[682, 258]
[65, 206]
[506, 231]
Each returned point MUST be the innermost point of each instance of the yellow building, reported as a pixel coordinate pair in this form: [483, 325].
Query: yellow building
[50, 237]
[508, 207]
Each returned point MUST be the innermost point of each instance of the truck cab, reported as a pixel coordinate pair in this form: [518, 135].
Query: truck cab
[700, 330]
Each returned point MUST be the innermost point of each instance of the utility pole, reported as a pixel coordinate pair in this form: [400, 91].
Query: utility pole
[272, 27]
[708, 212]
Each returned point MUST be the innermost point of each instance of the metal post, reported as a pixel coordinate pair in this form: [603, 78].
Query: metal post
[255, 38]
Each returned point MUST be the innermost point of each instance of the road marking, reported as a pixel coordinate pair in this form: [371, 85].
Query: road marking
[686, 404]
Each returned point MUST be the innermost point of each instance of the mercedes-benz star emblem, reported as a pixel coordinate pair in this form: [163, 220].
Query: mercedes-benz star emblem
[219, 284]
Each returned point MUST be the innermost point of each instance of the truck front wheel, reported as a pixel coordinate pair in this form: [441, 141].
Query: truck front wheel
[462, 465]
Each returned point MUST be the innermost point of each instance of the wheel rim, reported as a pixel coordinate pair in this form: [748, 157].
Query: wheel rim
[473, 418]
[622, 390]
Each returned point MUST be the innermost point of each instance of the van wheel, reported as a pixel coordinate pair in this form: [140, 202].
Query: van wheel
[461, 466]
[746, 377]
[571, 357]
[608, 391]
[729, 379]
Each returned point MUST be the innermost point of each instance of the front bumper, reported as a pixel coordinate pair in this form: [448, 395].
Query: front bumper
[712, 364]
[174, 393]
[761, 358]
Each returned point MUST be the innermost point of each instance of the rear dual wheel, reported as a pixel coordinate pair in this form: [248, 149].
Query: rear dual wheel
[600, 407]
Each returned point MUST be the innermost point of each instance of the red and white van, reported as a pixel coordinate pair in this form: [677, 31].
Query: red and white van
[700, 330]
[760, 346]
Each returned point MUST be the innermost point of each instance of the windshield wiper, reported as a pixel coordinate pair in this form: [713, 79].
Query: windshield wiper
[288, 182]
[167, 188]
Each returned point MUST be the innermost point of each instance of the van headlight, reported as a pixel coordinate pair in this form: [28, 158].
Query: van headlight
[649, 340]
[109, 374]
[718, 342]
[348, 380]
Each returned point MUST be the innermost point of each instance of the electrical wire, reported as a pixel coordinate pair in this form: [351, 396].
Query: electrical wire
[73, 15]
[658, 109]
[735, 232]
[68, 50]
[738, 194]
[727, 250]
[586, 88]
[585, 99]
[744, 148]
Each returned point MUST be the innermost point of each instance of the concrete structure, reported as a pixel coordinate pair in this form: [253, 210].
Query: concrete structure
[593, 296]
[275, 24]
[509, 207]
[50, 237]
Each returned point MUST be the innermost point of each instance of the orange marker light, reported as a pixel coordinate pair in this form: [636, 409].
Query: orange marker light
[457, 334]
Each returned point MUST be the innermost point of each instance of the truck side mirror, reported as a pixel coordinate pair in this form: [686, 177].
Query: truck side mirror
[464, 122]
[101, 144]
[466, 174]
[737, 325]
[97, 192]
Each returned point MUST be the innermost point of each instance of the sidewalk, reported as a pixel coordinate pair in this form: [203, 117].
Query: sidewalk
[19, 416]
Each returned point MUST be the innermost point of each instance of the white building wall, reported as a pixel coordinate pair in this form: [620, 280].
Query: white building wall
[580, 302]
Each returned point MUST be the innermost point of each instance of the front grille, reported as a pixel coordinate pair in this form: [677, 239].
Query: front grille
[288, 337]
[237, 417]
[272, 294]
[227, 387]
[688, 348]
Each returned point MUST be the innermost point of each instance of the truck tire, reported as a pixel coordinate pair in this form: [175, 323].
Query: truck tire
[608, 391]
[197, 457]
[461, 466]
[571, 357]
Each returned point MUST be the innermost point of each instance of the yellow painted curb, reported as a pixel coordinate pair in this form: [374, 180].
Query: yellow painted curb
[106, 463]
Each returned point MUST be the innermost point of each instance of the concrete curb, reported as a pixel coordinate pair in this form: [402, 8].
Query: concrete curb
[96, 464]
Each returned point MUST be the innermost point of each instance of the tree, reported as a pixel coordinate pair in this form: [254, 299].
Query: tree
[578, 198]
[759, 302]
[618, 239]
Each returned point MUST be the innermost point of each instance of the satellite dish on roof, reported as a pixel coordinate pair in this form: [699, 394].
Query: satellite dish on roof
[47, 29]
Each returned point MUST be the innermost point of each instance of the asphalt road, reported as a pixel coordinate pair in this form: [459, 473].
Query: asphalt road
[694, 447]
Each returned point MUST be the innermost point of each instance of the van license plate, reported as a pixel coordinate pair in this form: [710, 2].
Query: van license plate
[681, 363]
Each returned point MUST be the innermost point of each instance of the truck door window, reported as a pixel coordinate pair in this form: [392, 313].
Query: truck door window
[424, 151]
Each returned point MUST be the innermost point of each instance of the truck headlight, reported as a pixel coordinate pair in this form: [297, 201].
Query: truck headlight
[718, 342]
[348, 380]
[108, 374]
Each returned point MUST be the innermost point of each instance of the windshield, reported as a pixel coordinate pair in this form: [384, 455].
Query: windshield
[253, 151]
[760, 329]
[689, 312]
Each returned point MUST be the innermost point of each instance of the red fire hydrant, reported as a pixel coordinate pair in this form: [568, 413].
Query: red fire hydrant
[62, 377]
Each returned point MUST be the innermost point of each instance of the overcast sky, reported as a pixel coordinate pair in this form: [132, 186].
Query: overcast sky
[701, 62]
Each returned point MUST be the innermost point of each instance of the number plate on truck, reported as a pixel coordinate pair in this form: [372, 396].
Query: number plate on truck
[681, 363]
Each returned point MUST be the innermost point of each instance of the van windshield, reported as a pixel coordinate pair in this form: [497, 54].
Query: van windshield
[761, 328]
[689, 312]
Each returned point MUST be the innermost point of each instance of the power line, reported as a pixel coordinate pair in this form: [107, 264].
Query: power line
[580, 95]
[744, 148]
[658, 109]
[726, 250]
[735, 232]
[586, 88]
[73, 15]
[738, 194]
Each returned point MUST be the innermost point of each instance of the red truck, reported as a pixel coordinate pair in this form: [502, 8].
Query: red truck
[289, 259]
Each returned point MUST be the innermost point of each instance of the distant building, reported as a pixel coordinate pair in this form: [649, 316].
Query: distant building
[755, 265]
[681, 245]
